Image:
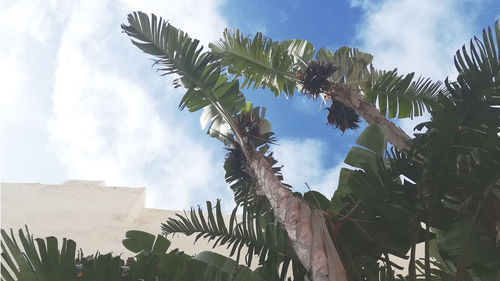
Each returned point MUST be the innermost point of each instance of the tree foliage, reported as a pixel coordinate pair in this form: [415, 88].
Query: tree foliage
[442, 189]
[46, 261]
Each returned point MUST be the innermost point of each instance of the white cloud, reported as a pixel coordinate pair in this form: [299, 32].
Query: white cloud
[199, 18]
[12, 82]
[99, 111]
[416, 36]
[303, 162]
[28, 28]
[16, 36]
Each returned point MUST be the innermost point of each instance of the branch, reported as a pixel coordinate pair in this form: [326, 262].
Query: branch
[352, 98]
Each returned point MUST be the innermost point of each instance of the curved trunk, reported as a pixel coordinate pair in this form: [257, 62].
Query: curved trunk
[305, 226]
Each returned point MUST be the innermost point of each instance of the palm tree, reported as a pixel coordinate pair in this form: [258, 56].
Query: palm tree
[208, 88]
[346, 80]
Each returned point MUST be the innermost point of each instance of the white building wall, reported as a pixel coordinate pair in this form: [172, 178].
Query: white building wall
[94, 215]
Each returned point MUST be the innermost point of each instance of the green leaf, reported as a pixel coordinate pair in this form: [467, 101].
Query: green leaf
[301, 50]
[374, 137]
[223, 263]
[199, 72]
[18, 264]
[482, 252]
[218, 128]
[213, 266]
[262, 62]
[354, 65]
[357, 156]
[49, 263]
[317, 200]
[161, 245]
[138, 241]
[343, 189]
[266, 240]
[401, 96]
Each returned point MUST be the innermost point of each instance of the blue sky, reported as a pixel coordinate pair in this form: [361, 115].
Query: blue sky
[80, 102]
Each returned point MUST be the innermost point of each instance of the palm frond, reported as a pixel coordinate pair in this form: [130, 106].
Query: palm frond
[353, 65]
[255, 235]
[199, 72]
[401, 96]
[42, 260]
[481, 63]
[463, 135]
[97, 267]
[175, 50]
[459, 156]
[26, 263]
[263, 62]
[480, 66]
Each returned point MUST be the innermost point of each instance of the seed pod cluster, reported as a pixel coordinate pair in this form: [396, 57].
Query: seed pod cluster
[253, 123]
[315, 78]
[315, 81]
[342, 117]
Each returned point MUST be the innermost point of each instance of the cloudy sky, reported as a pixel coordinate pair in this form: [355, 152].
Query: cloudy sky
[79, 101]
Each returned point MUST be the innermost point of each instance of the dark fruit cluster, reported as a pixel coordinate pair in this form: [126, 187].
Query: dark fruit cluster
[342, 117]
[249, 121]
[235, 161]
[315, 78]
[253, 125]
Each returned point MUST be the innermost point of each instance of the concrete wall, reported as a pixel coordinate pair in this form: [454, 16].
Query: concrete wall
[94, 215]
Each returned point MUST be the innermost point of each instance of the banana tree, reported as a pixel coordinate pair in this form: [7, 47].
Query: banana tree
[209, 88]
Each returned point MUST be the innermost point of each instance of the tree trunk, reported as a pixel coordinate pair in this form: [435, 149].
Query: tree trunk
[305, 226]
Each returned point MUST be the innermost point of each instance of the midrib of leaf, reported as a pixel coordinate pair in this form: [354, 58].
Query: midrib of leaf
[174, 62]
[266, 66]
